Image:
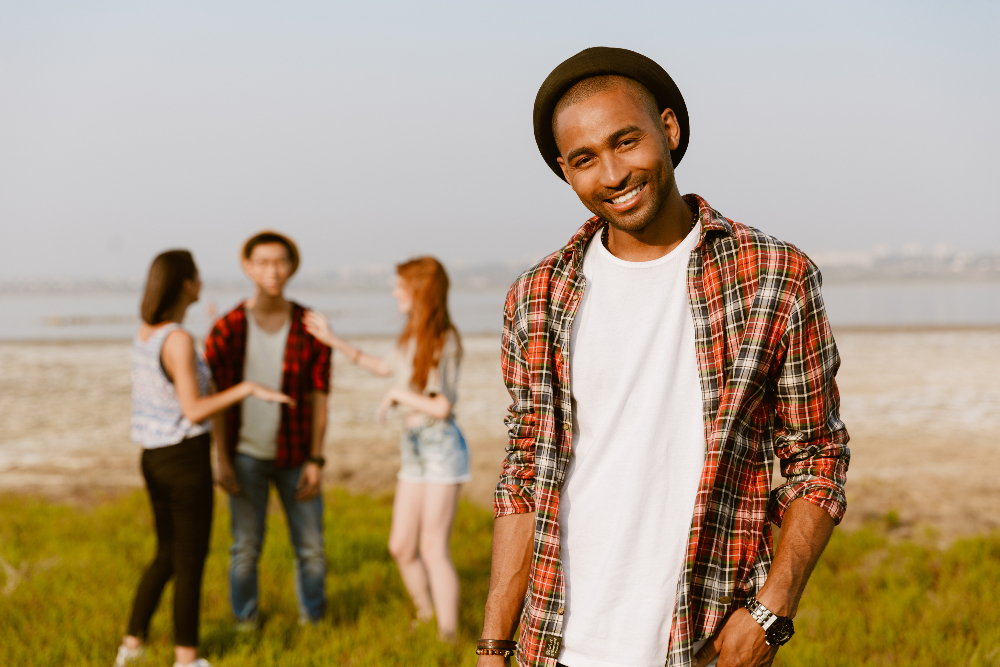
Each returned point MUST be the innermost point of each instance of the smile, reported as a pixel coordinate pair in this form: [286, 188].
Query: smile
[631, 194]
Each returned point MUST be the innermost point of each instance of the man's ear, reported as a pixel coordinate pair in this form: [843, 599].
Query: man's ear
[671, 128]
[565, 170]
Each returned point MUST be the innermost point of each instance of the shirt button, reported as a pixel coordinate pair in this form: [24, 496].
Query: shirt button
[567, 426]
[561, 611]
[725, 599]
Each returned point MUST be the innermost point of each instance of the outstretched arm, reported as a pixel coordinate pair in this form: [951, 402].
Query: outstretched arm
[179, 361]
[513, 536]
[319, 327]
[805, 531]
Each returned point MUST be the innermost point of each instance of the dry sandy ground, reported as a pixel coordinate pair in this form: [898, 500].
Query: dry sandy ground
[923, 409]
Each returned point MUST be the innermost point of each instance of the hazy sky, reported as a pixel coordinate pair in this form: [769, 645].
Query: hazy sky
[373, 131]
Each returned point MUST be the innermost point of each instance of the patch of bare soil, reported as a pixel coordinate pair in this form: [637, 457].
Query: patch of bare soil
[64, 421]
[923, 409]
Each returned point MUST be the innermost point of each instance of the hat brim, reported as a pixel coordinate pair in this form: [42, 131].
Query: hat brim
[601, 61]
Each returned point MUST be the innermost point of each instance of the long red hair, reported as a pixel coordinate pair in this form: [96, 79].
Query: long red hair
[429, 322]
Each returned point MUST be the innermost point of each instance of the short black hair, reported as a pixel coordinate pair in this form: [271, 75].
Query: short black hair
[587, 88]
[268, 236]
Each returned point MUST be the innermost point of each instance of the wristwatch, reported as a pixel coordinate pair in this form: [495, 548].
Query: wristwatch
[318, 460]
[777, 629]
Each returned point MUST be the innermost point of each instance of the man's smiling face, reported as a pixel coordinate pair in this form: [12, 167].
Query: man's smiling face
[616, 155]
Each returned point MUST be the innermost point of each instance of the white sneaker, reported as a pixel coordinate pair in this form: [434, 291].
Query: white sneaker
[200, 662]
[129, 656]
[246, 627]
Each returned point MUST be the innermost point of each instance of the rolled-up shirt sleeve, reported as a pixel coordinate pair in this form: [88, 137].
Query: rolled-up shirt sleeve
[810, 439]
[515, 493]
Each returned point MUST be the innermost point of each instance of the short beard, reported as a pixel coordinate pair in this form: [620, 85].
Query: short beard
[658, 189]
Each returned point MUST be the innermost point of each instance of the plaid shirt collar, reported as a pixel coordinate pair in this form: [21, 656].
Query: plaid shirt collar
[711, 224]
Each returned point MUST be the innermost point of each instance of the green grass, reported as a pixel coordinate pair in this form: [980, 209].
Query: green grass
[872, 601]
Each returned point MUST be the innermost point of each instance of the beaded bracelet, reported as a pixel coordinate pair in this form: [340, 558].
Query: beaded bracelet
[501, 647]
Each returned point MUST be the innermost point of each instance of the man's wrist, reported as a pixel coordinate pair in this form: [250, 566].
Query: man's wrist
[496, 633]
[778, 629]
[780, 603]
[316, 459]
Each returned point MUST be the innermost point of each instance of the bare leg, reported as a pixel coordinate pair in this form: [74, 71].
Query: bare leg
[403, 544]
[440, 502]
[185, 654]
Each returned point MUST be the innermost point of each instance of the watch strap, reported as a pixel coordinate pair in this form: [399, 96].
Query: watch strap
[777, 629]
[764, 616]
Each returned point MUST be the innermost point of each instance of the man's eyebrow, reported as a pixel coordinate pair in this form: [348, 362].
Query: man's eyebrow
[615, 136]
[622, 132]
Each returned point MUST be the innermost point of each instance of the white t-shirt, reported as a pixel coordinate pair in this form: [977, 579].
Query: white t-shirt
[638, 453]
[265, 360]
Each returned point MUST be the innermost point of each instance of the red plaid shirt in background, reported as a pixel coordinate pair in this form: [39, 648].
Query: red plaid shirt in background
[767, 361]
[306, 369]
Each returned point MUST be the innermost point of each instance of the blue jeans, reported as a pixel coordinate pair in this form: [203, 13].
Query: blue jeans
[434, 454]
[248, 514]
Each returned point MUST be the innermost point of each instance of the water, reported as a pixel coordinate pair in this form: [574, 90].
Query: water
[913, 304]
[113, 315]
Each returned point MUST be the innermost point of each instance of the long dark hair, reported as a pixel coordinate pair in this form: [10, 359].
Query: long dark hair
[163, 286]
[429, 322]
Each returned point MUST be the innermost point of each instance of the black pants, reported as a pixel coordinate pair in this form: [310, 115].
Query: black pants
[179, 480]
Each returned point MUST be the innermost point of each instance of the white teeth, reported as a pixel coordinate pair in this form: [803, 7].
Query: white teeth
[625, 197]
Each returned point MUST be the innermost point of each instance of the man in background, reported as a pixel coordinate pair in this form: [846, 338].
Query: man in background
[260, 444]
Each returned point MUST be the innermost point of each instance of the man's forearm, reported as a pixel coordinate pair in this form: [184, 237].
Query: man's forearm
[805, 530]
[319, 416]
[513, 537]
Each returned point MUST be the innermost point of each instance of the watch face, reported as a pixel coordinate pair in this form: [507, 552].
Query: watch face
[780, 632]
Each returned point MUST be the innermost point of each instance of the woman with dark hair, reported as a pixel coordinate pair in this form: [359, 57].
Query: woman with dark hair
[171, 401]
[434, 456]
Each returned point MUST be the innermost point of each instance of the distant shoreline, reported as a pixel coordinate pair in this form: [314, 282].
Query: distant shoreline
[837, 329]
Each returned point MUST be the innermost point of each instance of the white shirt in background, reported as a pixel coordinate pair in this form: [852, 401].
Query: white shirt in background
[265, 360]
[638, 452]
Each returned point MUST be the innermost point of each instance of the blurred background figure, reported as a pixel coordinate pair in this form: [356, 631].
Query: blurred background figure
[171, 401]
[264, 339]
[435, 460]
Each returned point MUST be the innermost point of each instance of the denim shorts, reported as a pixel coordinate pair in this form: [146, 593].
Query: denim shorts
[434, 453]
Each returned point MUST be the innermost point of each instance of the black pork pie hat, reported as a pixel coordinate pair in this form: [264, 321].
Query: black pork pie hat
[599, 61]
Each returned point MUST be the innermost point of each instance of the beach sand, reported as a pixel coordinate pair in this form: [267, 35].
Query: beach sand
[922, 407]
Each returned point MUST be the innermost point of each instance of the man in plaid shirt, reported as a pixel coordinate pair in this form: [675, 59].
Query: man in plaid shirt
[632, 526]
[264, 339]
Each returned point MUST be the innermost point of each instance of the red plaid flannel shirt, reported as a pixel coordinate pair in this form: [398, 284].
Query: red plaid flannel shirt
[306, 369]
[767, 361]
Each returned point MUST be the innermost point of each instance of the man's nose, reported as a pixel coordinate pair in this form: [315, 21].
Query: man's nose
[614, 172]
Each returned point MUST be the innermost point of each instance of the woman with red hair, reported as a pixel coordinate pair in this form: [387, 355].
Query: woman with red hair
[434, 456]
